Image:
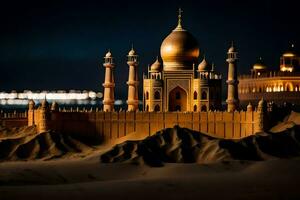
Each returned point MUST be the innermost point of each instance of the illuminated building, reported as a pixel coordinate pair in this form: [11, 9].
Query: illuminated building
[276, 86]
[177, 84]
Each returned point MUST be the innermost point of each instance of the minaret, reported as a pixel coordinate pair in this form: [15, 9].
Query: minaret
[232, 82]
[132, 82]
[109, 83]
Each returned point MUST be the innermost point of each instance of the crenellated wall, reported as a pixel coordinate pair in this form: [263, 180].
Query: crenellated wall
[108, 126]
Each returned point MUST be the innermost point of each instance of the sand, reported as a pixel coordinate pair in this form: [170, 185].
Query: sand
[265, 166]
[181, 145]
[86, 179]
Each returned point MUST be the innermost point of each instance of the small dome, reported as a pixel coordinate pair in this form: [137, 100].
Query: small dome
[132, 52]
[290, 52]
[156, 66]
[262, 102]
[204, 66]
[249, 107]
[31, 102]
[231, 49]
[259, 65]
[108, 54]
[44, 103]
[54, 106]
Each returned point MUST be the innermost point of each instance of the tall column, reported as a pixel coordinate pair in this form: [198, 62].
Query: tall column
[232, 81]
[31, 108]
[109, 83]
[43, 120]
[133, 83]
[261, 122]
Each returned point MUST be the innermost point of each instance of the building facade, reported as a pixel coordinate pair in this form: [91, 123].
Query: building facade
[276, 86]
[176, 84]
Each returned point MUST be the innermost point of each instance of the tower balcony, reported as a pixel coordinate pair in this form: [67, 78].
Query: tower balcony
[232, 82]
[108, 85]
[133, 83]
[108, 65]
[132, 63]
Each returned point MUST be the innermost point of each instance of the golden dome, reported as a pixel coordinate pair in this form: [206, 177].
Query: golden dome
[132, 52]
[204, 66]
[108, 54]
[179, 50]
[290, 52]
[232, 48]
[156, 66]
[259, 65]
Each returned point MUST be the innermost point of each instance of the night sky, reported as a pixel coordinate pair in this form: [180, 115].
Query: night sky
[49, 45]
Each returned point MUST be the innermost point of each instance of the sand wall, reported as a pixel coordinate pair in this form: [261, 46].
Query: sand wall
[112, 125]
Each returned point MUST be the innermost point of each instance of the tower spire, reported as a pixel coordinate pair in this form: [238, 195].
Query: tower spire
[109, 83]
[232, 80]
[179, 25]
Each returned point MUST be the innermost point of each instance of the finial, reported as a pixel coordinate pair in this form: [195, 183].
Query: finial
[213, 67]
[204, 58]
[157, 58]
[179, 26]
[132, 46]
[232, 43]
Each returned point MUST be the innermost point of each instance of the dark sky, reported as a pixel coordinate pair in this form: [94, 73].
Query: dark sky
[46, 45]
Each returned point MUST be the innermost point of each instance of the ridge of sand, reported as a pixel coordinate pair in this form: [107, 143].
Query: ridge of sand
[181, 145]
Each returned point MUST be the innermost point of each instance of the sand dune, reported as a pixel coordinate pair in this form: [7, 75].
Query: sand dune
[288, 122]
[25, 144]
[181, 145]
[250, 168]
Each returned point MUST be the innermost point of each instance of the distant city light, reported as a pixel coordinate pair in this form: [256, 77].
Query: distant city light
[15, 98]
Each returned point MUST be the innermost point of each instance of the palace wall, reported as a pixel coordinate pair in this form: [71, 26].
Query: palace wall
[108, 126]
[13, 119]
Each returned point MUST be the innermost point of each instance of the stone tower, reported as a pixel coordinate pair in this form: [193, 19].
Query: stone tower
[132, 100]
[42, 125]
[109, 83]
[232, 81]
[31, 106]
[261, 119]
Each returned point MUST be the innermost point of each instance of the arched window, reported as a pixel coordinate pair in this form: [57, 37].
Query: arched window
[195, 108]
[147, 95]
[147, 108]
[195, 95]
[204, 95]
[177, 108]
[157, 108]
[177, 95]
[157, 95]
[204, 108]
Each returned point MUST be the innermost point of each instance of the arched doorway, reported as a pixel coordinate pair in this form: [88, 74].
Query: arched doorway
[157, 108]
[177, 99]
[289, 87]
[195, 108]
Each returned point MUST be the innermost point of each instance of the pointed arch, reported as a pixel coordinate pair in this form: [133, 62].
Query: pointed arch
[177, 99]
[156, 95]
[157, 108]
[195, 95]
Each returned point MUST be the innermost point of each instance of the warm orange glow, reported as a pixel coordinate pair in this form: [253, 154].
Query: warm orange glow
[286, 69]
[288, 55]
